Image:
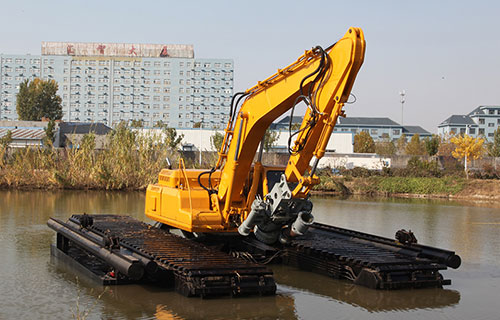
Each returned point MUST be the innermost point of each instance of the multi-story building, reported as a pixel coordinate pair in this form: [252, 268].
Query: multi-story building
[111, 83]
[480, 122]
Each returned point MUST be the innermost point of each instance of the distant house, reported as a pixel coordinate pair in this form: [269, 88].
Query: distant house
[378, 128]
[480, 122]
[410, 131]
[24, 133]
[70, 134]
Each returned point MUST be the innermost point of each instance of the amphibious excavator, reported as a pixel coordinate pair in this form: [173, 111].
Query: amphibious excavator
[257, 213]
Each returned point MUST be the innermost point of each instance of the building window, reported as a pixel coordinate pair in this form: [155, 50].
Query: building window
[472, 131]
[491, 124]
[462, 130]
[481, 131]
[490, 134]
[481, 121]
[396, 132]
[491, 111]
[373, 131]
[453, 130]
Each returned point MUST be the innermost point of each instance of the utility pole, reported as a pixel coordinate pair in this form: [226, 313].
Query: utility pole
[402, 94]
[201, 136]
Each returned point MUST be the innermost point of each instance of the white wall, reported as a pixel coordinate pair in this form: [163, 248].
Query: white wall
[366, 160]
[340, 142]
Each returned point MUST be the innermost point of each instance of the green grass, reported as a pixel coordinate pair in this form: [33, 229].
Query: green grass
[415, 185]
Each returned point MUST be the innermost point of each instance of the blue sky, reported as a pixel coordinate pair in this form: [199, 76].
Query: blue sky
[445, 54]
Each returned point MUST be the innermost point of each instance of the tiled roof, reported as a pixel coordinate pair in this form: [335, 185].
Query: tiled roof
[83, 127]
[480, 110]
[24, 134]
[367, 121]
[457, 120]
[286, 120]
[415, 130]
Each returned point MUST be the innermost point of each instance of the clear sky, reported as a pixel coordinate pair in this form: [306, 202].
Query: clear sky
[445, 54]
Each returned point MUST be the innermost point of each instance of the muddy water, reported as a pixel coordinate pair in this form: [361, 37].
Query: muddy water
[32, 286]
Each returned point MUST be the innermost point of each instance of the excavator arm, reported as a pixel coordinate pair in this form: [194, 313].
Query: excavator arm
[321, 78]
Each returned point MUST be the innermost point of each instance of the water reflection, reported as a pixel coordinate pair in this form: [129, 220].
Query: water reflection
[145, 301]
[371, 300]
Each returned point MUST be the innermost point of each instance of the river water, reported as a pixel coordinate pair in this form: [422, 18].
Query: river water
[34, 286]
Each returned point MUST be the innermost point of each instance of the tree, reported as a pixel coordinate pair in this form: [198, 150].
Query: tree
[38, 99]
[446, 147]
[159, 124]
[401, 144]
[197, 124]
[270, 139]
[494, 146]
[6, 139]
[363, 143]
[432, 145]
[137, 123]
[467, 147]
[216, 140]
[385, 148]
[172, 139]
[50, 133]
[415, 147]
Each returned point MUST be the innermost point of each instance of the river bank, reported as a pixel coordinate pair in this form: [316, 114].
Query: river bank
[376, 186]
[412, 187]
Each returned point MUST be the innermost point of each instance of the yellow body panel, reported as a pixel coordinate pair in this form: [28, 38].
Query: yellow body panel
[179, 201]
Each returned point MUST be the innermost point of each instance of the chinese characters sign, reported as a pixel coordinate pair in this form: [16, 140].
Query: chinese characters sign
[117, 49]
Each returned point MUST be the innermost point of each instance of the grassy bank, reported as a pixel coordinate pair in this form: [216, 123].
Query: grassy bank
[413, 185]
[128, 162]
[444, 187]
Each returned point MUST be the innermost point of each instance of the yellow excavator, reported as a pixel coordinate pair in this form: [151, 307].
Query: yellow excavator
[242, 195]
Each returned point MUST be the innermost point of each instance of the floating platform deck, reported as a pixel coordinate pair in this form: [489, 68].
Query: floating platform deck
[120, 249]
[196, 269]
[368, 260]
